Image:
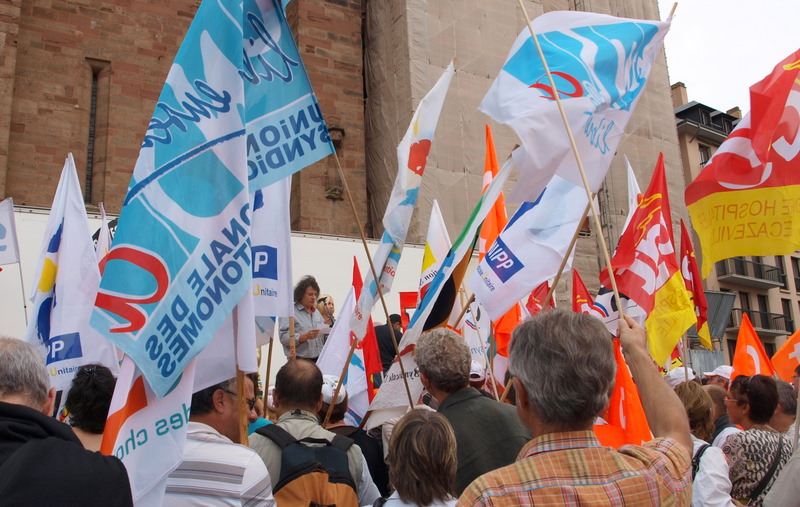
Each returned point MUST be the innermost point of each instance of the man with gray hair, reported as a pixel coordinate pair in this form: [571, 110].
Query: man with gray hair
[489, 434]
[783, 418]
[42, 462]
[563, 369]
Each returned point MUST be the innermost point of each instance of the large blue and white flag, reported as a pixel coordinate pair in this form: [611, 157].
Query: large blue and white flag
[65, 285]
[530, 248]
[599, 65]
[412, 157]
[9, 248]
[236, 113]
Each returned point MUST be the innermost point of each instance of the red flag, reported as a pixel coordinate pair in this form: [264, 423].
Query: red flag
[691, 277]
[496, 220]
[536, 298]
[743, 201]
[787, 357]
[372, 355]
[647, 270]
[625, 408]
[750, 358]
[581, 299]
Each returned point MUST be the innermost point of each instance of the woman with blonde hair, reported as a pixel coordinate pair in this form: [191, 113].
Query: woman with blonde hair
[422, 461]
[711, 485]
[326, 308]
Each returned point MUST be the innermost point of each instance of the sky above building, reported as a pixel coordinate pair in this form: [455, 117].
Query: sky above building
[719, 48]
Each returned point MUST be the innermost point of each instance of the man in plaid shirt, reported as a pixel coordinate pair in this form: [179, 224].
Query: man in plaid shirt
[563, 368]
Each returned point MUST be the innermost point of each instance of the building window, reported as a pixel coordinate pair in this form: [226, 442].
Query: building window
[781, 264]
[705, 117]
[796, 273]
[786, 306]
[731, 350]
[97, 142]
[705, 154]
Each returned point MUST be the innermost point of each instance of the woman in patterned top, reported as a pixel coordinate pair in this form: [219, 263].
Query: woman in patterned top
[757, 454]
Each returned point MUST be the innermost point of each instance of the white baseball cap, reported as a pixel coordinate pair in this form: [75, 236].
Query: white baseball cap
[477, 371]
[678, 376]
[723, 371]
[329, 383]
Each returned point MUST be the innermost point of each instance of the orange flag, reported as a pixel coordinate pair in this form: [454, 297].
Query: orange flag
[492, 226]
[750, 358]
[625, 409]
[787, 357]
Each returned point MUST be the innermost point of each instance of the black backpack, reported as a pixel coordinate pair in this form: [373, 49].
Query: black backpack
[312, 475]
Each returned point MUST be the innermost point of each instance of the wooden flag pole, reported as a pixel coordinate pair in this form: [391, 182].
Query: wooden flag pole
[24, 299]
[556, 280]
[566, 257]
[269, 360]
[587, 188]
[292, 340]
[377, 281]
[478, 330]
[684, 355]
[242, 407]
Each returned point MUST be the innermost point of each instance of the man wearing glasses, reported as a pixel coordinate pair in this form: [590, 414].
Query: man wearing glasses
[216, 470]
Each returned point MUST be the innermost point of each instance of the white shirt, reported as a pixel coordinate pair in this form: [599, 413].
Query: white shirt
[711, 486]
[217, 472]
[723, 436]
[394, 501]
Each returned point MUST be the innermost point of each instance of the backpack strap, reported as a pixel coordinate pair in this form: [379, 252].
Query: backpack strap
[342, 442]
[278, 435]
[696, 459]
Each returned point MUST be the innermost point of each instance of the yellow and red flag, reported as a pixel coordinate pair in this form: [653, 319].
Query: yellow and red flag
[750, 358]
[694, 284]
[787, 357]
[647, 270]
[745, 202]
[536, 298]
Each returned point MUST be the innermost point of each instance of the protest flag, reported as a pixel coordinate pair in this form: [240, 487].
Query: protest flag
[236, 114]
[787, 357]
[9, 247]
[691, 277]
[271, 242]
[104, 237]
[625, 409]
[750, 358]
[147, 432]
[437, 244]
[743, 202]
[530, 249]
[647, 270]
[600, 65]
[391, 398]
[412, 157]
[335, 354]
[66, 283]
[535, 300]
[581, 299]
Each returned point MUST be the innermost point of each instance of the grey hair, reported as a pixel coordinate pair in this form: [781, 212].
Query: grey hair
[22, 372]
[566, 362]
[444, 357]
[787, 398]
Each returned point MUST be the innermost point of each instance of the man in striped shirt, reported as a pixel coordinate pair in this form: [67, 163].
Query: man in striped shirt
[215, 470]
[563, 368]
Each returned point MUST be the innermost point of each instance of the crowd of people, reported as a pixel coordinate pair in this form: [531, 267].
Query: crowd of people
[728, 442]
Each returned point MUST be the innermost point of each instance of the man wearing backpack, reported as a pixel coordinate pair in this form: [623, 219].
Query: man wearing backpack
[307, 462]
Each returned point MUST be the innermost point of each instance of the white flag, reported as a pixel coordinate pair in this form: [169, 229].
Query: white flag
[530, 248]
[9, 249]
[66, 284]
[104, 238]
[412, 156]
[634, 192]
[600, 65]
[272, 251]
[146, 432]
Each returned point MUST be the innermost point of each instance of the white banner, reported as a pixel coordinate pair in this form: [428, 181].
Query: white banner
[9, 248]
